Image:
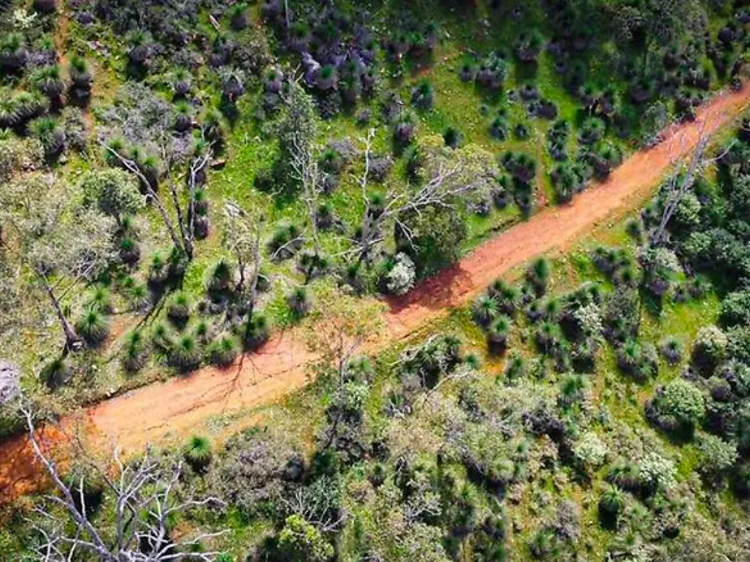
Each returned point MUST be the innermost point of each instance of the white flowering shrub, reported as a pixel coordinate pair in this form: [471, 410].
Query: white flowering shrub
[590, 450]
[590, 319]
[656, 472]
[400, 279]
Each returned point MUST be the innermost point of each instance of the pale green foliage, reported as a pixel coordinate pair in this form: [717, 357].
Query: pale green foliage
[300, 541]
[299, 125]
[656, 471]
[681, 403]
[55, 233]
[590, 450]
[590, 319]
[113, 191]
[400, 279]
[716, 455]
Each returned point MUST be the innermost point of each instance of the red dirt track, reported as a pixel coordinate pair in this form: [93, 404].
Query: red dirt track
[166, 411]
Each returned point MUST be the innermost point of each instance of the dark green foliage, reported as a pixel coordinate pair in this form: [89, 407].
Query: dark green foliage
[485, 309]
[497, 334]
[221, 276]
[184, 354]
[436, 237]
[538, 275]
[197, 453]
[256, 331]
[299, 301]
[93, 327]
[638, 361]
[671, 349]
[179, 309]
[611, 505]
[135, 351]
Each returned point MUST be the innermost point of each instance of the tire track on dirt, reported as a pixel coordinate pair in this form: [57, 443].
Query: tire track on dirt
[168, 410]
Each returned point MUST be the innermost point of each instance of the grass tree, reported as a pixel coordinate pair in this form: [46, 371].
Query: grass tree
[498, 333]
[197, 453]
[135, 351]
[92, 327]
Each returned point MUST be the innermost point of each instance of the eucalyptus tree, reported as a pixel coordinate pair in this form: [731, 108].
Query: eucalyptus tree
[54, 237]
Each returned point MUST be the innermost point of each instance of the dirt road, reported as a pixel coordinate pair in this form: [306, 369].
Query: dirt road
[172, 409]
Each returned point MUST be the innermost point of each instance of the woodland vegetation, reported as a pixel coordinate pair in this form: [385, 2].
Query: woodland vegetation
[179, 181]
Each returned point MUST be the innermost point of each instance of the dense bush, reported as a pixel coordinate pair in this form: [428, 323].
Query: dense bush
[677, 406]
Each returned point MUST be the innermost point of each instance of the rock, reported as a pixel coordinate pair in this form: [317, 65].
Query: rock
[10, 376]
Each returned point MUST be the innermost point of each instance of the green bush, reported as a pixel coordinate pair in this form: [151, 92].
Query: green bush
[716, 456]
[735, 309]
[179, 309]
[677, 406]
[709, 349]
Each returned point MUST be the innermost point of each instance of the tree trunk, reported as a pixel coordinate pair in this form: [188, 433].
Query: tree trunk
[73, 341]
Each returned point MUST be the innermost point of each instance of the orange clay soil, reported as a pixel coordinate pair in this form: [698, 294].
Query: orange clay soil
[167, 411]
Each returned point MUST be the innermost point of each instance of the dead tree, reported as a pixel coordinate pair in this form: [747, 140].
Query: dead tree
[306, 171]
[144, 498]
[242, 237]
[679, 184]
[181, 229]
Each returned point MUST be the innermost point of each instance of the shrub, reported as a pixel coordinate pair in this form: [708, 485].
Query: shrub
[92, 327]
[238, 17]
[611, 504]
[100, 300]
[299, 541]
[716, 456]
[538, 275]
[590, 450]
[401, 276]
[506, 296]
[113, 191]
[81, 78]
[422, 95]
[656, 473]
[299, 302]
[452, 137]
[197, 453]
[660, 267]
[735, 309]
[436, 237]
[677, 406]
[709, 349]
[50, 134]
[221, 276]
[638, 361]
[285, 241]
[671, 349]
